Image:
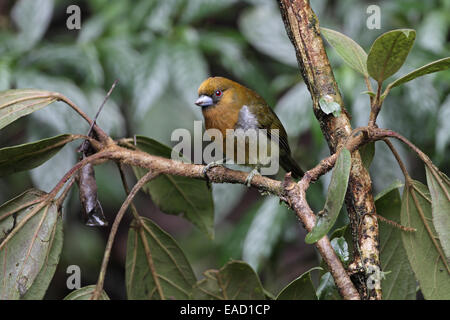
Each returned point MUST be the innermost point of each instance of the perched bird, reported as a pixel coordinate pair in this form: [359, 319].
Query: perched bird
[228, 105]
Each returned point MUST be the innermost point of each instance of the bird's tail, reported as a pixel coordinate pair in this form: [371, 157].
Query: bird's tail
[290, 165]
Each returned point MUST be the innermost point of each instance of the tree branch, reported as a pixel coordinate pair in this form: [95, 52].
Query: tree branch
[302, 27]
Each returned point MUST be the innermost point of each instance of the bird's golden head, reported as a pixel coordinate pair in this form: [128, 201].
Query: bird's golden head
[217, 89]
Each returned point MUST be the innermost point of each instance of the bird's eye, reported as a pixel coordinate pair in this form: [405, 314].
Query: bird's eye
[218, 93]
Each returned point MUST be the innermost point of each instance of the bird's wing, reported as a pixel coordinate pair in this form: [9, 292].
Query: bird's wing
[248, 119]
[281, 136]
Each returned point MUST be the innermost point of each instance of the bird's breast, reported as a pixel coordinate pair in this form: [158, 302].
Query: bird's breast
[261, 152]
[220, 119]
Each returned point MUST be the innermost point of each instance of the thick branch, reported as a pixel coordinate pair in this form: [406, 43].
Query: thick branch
[303, 29]
[297, 200]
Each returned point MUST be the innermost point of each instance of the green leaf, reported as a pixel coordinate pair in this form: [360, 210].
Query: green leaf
[327, 289]
[151, 79]
[328, 105]
[178, 195]
[345, 233]
[45, 276]
[31, 155]
[348, 49]
[264, 232]
[335, 198]
[389, 52]
[32, 18]
[198, 9]
[440, 205]
[393, 186]
[156, 267]
[442, 133]
[424, 252]
[300, 289]
[435, 66]
[234, 281]
[27, 226]
[268, 295]
[367, 153]
[370, 93]
[85, 293]
[76, 60]
[262, 27]
[399, 283]
[340, 246]
[295, 116]
[17, 103]
[189, 69]
[161, 16]
[5, 75]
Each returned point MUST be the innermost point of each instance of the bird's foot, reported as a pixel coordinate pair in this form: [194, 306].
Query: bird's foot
[209, 166]
[248, 180]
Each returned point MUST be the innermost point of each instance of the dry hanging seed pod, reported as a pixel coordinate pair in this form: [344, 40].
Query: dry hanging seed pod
[92, 209]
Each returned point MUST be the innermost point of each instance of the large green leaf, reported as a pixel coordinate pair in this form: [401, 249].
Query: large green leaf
[79, 61]
[17, 103]
[151, 80]
[188, 69]
[234, 281]
[440, 205]
[45, 276]
[422, 247]
[31, 155]
[264, 232]
[85, 293]
[295, 117]
[156, 267]
[178, 195]
[262, 27]
[300, 289]
[435, 66]
[335, 198]
[348, 49]
[32, 18]
[327, 290]
[28, 226]
[389, 52]
[399, 282]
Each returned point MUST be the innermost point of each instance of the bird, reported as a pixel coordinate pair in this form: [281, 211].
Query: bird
[226, 105]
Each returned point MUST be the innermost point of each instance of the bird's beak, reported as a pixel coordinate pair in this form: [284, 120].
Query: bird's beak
[204, 101]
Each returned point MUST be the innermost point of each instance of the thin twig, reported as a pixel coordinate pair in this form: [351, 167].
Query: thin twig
[101, 278]
[102, 135]
[399, 160]
[101, 106]
[395, 224]
[127, 191]
[62, 197]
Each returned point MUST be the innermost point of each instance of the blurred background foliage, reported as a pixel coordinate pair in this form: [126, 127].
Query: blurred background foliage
[160, 51]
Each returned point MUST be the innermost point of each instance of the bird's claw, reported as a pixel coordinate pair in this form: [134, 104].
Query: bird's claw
[208, 167]
[248, 180]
